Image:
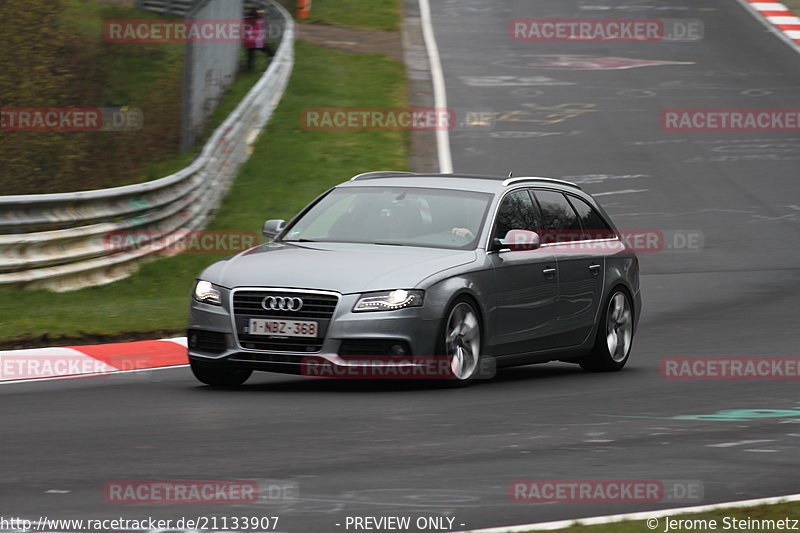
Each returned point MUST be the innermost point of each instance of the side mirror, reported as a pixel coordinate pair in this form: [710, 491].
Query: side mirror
[518, 240]
[271, 228]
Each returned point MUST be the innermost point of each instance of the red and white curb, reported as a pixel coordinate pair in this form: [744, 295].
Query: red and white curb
[778, 17]
[94, 360]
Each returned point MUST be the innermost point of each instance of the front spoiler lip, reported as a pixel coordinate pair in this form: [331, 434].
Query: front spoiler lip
[295, 364]
[350, 361]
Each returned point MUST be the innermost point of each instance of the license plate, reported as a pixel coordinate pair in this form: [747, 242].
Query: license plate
[282, 328]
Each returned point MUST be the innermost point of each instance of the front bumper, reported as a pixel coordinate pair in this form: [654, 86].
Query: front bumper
[215, 340]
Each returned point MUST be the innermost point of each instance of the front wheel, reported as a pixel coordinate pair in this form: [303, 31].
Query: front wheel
[461, 343]
[612, 347]
[218, 375]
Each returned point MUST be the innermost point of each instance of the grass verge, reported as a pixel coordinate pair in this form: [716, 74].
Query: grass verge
[56, 56]
[288, 168]
[794, 5]
[243, 82]
[723, 520]
[372, 15]
[141, 75]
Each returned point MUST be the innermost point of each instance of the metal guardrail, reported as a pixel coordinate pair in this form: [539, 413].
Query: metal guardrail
[59, 241]
[168, 7]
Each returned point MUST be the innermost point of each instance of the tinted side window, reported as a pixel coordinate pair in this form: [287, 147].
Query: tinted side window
[559, 221]
[516, 212]
[594, 227]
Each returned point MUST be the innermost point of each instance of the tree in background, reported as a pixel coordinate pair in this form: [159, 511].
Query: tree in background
[45, 61]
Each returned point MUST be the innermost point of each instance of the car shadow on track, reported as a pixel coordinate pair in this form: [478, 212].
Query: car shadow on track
[289, 383]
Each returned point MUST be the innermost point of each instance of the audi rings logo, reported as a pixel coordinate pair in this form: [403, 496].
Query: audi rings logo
[282, 303]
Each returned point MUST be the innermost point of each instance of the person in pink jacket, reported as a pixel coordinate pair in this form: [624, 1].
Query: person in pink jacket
[255, 36]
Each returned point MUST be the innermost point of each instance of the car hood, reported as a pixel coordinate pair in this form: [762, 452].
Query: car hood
[342, 267]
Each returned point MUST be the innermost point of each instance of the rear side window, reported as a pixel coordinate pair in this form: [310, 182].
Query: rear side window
[594, 227]
[559, 221]
[517, 211]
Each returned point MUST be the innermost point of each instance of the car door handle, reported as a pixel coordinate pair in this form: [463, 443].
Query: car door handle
[594, 268]
[549, 271]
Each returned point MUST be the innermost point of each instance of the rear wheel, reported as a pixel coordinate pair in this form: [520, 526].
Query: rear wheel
[462, 342]
[218, 375]
[612, 347]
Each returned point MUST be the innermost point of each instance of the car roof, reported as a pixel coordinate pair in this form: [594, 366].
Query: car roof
[465, 182]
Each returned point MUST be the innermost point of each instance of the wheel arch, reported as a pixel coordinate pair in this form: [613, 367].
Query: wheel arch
[462, 294]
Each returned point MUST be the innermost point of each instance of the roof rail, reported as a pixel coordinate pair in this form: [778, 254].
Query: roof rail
[379, 174]
[511, 181]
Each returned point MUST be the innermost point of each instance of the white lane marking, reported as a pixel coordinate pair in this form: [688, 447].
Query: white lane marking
[764, 217]
[528, 134]
[684, 213]
[624, 191]
[611, 519]
[439, 92]
[761, 451]
[511, 81]
[739, 443]
[598, 178]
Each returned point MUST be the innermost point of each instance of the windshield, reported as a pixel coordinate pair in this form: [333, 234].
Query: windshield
[403, 216]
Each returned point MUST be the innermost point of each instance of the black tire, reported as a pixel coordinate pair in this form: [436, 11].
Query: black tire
[465, 364]
[616, 321]
[218, 375]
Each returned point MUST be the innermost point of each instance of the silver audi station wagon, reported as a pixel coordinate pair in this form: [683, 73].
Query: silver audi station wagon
[480, 272]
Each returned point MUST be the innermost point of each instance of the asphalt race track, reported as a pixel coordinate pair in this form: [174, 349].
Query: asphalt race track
[370, 449]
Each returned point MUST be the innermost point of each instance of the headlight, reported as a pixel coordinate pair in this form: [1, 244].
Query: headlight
[206, 293]
[388, 300]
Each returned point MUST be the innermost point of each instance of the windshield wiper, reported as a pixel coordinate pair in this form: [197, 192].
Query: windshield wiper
[388, 244]
[297, 240]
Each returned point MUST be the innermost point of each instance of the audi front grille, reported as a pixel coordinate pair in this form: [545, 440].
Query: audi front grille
[282, 304]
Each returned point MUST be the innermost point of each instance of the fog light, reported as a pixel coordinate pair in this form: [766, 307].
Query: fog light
[398, 349]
